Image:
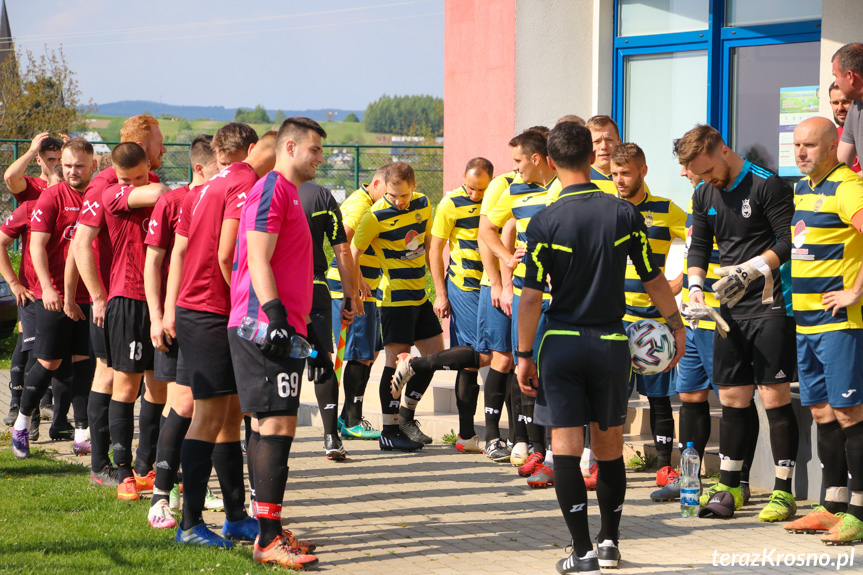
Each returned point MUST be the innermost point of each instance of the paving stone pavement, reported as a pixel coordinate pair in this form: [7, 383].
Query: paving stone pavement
[440, 512]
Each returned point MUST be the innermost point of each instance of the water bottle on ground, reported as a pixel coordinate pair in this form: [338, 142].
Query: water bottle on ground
[253, 330]
[690, 482]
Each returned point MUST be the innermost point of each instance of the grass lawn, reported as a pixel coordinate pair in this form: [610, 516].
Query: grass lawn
[53, 521]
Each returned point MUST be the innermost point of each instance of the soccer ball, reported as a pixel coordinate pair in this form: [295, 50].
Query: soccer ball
[651, 345]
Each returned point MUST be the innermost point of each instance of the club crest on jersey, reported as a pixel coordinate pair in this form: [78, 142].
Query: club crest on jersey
[648, 219]
[819, 203]
[746, 209]
[419, 217]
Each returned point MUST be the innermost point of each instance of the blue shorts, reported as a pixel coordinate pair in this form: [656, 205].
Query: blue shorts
[695, 370]
[464, 307]
[540, 328]
[364, 334]
[492, 326]
[830, 367]
[656, 385]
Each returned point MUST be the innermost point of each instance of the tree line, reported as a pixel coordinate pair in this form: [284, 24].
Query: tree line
[405, 115]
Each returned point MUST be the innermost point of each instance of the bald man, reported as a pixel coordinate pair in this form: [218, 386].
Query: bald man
[826, 258]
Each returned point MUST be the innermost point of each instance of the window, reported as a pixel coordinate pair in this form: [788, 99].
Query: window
[640, 17]
[754, 12]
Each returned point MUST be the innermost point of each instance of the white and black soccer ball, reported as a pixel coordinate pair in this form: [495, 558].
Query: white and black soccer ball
[651, 346]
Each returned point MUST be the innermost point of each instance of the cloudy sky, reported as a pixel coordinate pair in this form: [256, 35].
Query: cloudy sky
[282, 54]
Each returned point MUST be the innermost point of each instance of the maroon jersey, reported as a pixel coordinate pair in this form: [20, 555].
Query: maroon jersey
[56, 213]
[163, 225]
[34, 189]
[17, 226]
[127, 227]
[203, 287]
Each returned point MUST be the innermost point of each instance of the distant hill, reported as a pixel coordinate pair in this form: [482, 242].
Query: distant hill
[128, 108]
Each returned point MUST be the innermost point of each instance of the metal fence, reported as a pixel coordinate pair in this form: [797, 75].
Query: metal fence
[346, 167]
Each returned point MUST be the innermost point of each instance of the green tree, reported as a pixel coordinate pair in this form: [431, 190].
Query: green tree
[279, 117]
[396, 115]
[351, 118]
[257, 116]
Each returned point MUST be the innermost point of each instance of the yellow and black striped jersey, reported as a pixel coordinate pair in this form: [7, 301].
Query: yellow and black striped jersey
[353, 209]
[398, 237]
[493, 192]
[665, 222]
[709, 296]
[826, 250]
[597, 178]
[521, 201]
[457, 220]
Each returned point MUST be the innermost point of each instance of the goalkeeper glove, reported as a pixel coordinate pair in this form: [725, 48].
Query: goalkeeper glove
[735, 279]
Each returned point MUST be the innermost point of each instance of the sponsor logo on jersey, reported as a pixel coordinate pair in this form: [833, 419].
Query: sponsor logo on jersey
[711, 211]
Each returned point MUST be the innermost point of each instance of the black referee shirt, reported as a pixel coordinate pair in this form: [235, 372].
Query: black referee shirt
[325, 221]
[583, 241]
[751, 217]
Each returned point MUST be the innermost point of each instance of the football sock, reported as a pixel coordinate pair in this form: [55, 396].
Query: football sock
[834, 466]
[121, 422]
[82, 379]
[61, 386]
[36, 382]
[197, 461]
[466, 395]
[171, 438]
[412, 394]
[753, 427]
[454, 358]
[355, 378]
[695, 425]
[510, 410]
[535, 433]
[494, 397]
[148, 436]
[662, 428]
[327, 394]
[16, 372]
[610, 493]
[854, 456]
[784, 439]
[389, 405]
[271, 476]
[732, 444]
[251, 450]
[572, 498]
[100, 436]
[520, 425]
[228, 463]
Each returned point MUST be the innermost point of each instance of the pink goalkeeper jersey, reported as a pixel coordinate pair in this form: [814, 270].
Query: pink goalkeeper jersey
[273, 206]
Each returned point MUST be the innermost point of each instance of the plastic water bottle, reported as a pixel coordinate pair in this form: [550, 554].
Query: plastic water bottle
[690, 482]
[253, 330]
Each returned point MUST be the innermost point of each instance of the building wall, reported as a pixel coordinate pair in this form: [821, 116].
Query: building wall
[479, 88]
[840, 25]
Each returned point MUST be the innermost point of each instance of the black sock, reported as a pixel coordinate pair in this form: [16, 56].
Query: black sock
[535, 433]
[251, 449]
[171, 438]
[100, 434]
[412, 394]
[82, 379]
[354, 381]
[36, 382]
[228, 463]
[753, 427]
[510, 410]
[271, 475]
[854, 456]
[389, 405]
[572, 498]
[519, 425]
[466, 395]
[327, 394]
[47, 399]
[732, 444]
[784, 439]
[61, 386]
[121, 422]
[834, 466]
[494, 398]
[610, 493]
[695, 425]
[662, 428]
[148, 436]
[16, 372]
[454, 358]
[197, 461]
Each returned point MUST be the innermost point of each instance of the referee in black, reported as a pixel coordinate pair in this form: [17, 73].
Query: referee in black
[582, 242]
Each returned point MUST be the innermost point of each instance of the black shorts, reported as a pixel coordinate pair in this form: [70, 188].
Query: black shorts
[258, 393]
[757, 351]
[206, 355]
[165, 364]
[583, 376]
[409, 324]
[322, 315]
[27, 317]
[127, 331]
[99, 342]
[182, 375]
[57, 336]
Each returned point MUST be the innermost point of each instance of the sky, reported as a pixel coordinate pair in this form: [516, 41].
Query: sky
[282, 54]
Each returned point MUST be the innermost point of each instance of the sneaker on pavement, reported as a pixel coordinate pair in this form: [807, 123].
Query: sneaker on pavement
[34, 428]
[716, 488]
[412, 430]
[303, 547]
[745, 492]
[590, 480]
[519, 454]
[666, 475]
[402, 375]
[160, 515]
[279, 552]
[817, 520]
[847, 530]
[534, 460]
[608, 553]
[82, 448]
[333, 448]
[398, 442]
[106, 477]
[245, 529]
[670, 492]
[62, 432]
[542, 477]
[213, 503]
[497, 451]
[201, 535]
[21, 443]
[781, 507]
[588, 564]
[145, 483]
[174, 497]
[128, 490]
[9, 420]
[362, 430]
[472, 445]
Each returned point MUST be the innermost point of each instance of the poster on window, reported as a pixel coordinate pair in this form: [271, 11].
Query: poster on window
[796, 104]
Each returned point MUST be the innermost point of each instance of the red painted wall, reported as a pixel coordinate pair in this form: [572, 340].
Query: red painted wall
[479, 85]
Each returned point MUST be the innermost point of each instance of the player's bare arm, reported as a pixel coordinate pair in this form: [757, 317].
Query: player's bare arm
[529, 311]
[146, 196]
[52, 300]
[172, 289]
[227, 243]
[14, 175]
[85, 262]
[153, 292]
[436, 266]
[70, 288]
[660, 293]
[345, 263]
[21, 293]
